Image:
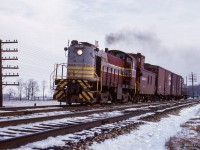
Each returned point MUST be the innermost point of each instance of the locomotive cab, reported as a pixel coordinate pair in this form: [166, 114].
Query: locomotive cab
[81, 57]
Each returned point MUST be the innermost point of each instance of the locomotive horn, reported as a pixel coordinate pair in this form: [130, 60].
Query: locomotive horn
[65, 48]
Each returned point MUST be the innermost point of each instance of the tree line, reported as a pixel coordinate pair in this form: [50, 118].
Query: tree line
[196, 90]
[28, 90]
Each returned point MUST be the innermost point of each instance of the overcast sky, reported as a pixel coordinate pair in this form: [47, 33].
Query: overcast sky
[167, 32]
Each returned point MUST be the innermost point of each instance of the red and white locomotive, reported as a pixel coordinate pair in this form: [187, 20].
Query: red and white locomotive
[96, 76]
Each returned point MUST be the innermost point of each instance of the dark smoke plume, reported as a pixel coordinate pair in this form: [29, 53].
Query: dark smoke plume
[137, 40]
[131, 36]
[177, 59]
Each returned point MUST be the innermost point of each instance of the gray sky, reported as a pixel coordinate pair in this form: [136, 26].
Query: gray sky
[167, 32]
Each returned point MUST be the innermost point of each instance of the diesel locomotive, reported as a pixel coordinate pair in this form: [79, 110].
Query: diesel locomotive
[102, 76]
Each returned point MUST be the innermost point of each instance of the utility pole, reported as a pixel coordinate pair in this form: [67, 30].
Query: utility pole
[193, 78]
[186, 80]
[2, 76]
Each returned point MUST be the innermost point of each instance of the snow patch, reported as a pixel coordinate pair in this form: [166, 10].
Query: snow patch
[151, 136]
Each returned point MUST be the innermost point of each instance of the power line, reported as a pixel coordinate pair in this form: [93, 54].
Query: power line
[192, 78]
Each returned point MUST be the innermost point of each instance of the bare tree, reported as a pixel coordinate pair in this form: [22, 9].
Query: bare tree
[44, 85]
[34, 87]
[11, 93]
[31, 88]
[20, 88]
[27, 89]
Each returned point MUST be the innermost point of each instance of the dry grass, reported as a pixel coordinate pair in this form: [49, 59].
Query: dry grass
[197, 129]
[188, 138]
[180, 144]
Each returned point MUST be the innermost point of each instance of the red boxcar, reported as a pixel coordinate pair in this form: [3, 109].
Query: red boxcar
[147, 82]
[179, 85]
[160, 78]
[145, 78]
[174, 84]
[168, 82]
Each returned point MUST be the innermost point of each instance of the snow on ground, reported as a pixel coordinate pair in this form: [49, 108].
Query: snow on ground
[189, 137]
[151, 136]
[18, 103]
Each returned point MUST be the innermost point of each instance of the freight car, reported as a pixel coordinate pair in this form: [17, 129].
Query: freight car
[96, 76]
[168, 85]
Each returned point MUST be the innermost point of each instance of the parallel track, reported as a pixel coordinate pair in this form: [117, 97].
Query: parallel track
[61, 129]
[77, 114]
[16, 111]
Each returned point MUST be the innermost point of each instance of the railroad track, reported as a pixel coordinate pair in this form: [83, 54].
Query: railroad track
[27, 110]
[16, 111]
[23, 136]
[71, 114]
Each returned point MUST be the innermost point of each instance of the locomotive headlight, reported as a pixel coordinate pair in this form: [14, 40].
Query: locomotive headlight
[79, 52]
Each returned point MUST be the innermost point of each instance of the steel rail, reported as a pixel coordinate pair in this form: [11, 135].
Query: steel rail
[27, 107]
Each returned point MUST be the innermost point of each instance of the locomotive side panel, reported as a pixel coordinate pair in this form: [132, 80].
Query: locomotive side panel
[112, 74]
[123, 68]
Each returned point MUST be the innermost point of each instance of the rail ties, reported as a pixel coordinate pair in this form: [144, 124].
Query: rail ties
[51, 125]
[23, 130]
[6, 135]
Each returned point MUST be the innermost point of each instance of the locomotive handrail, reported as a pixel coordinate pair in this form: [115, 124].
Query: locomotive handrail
[54, 75]
[97, 82]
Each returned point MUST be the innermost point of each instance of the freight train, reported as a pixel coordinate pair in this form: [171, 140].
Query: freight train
[112, 76]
